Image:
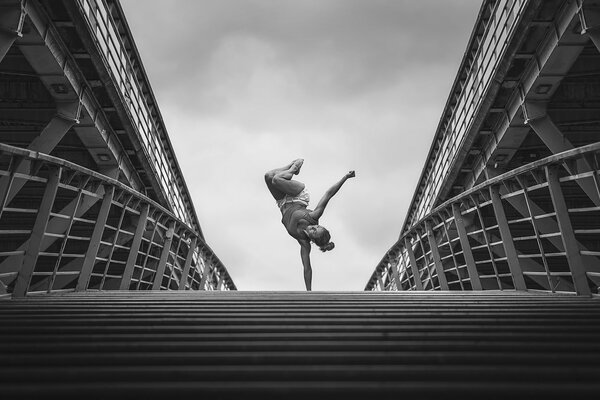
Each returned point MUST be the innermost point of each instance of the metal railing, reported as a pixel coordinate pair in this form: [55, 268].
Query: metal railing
[487, 48]
[536, 227]
[66, 228]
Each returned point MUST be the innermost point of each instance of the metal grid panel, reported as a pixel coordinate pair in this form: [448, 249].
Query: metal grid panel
[66, 228]
[534, 228]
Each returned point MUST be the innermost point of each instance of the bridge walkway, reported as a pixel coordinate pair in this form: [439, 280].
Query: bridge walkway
[297, 344]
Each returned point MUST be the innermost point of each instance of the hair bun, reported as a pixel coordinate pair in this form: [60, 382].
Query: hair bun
[327, 247]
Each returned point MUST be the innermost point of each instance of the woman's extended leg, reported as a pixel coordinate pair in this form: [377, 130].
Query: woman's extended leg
[279, 181]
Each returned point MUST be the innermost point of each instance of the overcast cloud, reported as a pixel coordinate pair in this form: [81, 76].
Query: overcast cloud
[245, 86]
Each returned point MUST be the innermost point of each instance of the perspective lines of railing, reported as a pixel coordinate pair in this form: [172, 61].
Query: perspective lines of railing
[66, 228]
[534, 228]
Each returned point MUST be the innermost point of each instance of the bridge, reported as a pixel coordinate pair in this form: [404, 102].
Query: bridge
[109, 287]
[91, 195]
[509, 197]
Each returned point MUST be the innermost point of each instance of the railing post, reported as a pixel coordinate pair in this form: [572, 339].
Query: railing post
[437, 260]
[135, 246]
[37, 234]
[566, 230]
[507, 240]
[395, 275]
[205, 273]
[413, 264]
[188, 263]
[162, 263]
[466, 248]
[92, 252]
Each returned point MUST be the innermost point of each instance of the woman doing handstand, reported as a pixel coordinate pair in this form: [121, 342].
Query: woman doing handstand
[301, 223]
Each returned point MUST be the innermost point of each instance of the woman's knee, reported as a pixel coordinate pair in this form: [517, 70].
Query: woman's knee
[269, 175]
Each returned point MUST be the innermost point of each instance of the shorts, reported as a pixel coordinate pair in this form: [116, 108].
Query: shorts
[303, 198]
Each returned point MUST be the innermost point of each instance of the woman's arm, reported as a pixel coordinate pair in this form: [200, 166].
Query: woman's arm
[320, 208]
[305, 255]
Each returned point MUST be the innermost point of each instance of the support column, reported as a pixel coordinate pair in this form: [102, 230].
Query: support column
[188, 263]
[37, 234]
[566, 229]
[437, 260]
[539, 120]
[135, 246]
[45, 142]
[395, 275]
[466, 248]
[92, 252]
[507, 240]
[164, 255]
[205, 272]
[12, 16]
[413, 264]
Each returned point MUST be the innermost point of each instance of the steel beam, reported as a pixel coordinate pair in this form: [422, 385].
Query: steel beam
[45, 142]
[395, 274]
[413, 264]
[162, 263]
[188, 263]
[544, 127]
[507, 240]
[574, 259]
[92, 252]
[135, 246]
[466, 248]
[205, 273]
[37, 234]
[436, 257]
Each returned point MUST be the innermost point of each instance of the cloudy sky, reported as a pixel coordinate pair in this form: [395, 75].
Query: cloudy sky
[245, 86]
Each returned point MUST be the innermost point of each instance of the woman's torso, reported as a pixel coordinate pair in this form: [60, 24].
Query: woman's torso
[296, 217]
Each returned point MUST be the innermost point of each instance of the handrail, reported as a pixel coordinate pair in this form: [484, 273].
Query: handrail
[570, 179]
[65, 227]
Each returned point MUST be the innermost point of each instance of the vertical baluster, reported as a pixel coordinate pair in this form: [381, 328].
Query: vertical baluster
[92, 252]
[162, 263]
[188, 264]
[536, 231]
[466, 248]
[566, 232]
[436, 257]
[147, 255]
[37, 234]
[507, 240]
[413, 264]
[135, 246]
[458, 275]
[67, 232]
[115, 239]
[487, 242]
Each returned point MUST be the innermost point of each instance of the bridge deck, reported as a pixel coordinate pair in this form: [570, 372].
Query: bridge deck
[334, 344]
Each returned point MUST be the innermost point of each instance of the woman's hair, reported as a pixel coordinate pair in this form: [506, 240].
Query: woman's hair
[323, 241]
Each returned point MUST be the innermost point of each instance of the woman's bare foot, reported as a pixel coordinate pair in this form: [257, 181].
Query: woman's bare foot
[296, 165]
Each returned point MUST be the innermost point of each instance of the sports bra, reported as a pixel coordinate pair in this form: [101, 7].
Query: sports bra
[288, 211]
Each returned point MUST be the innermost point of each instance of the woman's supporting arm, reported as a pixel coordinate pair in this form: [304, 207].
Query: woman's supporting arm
[320, 208]
[305, 255]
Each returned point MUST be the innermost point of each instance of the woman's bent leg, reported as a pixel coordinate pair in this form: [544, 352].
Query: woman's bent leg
[278, 188]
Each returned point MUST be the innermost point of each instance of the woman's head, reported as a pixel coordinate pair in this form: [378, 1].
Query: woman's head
[320, 236]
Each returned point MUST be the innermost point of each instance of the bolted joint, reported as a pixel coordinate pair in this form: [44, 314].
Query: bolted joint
[533, 111]
[12, 18]
[69, 110]
[589, 16]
